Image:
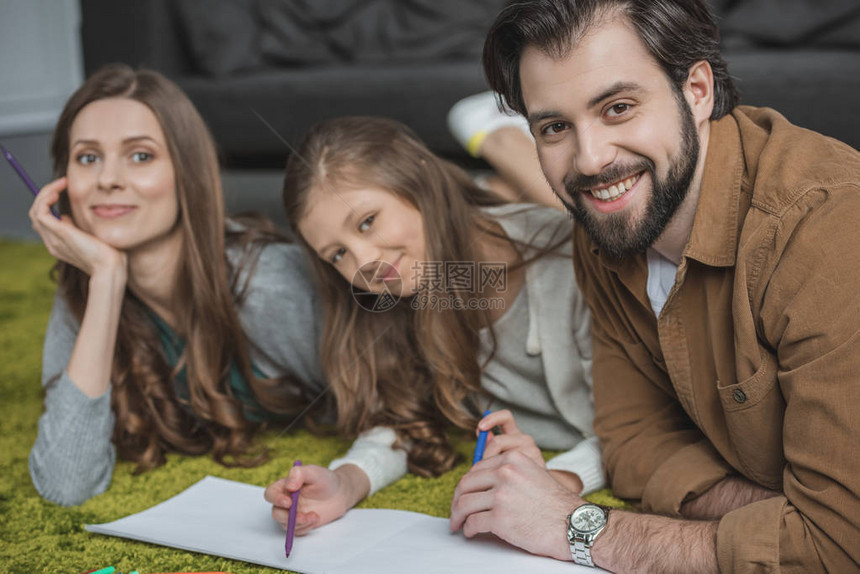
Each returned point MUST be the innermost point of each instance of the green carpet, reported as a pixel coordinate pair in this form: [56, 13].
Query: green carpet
[37, 536]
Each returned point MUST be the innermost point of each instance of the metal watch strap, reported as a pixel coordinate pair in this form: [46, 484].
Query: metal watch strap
[580, 545]
[581, 553]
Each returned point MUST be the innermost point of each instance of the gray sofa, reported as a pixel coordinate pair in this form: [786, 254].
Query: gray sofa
[800, 57]
[263, 71]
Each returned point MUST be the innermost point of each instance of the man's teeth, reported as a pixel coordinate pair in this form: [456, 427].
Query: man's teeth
[616, 190]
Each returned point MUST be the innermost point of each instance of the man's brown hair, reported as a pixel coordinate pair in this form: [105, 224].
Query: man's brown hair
[677, 33]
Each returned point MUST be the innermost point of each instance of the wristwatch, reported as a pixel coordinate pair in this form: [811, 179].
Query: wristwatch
[584, 525]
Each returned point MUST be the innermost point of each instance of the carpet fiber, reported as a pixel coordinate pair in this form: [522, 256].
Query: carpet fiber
[38, 536]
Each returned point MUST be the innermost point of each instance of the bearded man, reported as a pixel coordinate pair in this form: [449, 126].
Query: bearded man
[719, 250]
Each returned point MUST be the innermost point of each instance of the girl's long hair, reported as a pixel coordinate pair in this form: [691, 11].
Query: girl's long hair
[150, 418]
[413, 370]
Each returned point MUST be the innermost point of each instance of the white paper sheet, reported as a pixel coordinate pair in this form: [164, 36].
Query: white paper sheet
[231, 519]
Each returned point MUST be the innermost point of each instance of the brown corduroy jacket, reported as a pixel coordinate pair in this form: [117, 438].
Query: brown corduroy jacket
[753, 367]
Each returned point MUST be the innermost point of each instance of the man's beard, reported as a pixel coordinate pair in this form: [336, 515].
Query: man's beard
[615, 234]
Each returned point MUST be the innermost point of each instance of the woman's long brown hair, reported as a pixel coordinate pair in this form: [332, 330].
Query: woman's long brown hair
[150, 418]
[413, 370]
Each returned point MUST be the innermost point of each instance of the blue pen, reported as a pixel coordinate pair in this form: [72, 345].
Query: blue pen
[481, 444]
[22, 174]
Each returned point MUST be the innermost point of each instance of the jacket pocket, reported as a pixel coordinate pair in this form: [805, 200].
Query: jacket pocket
[755, 409]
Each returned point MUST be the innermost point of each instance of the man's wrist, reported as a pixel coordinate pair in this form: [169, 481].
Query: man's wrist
[567, 504]
[601, 552]
[585, 526]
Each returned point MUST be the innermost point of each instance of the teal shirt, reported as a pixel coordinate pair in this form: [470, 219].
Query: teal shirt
[173, 348]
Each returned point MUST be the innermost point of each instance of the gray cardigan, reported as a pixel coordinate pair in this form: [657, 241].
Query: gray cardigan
[73, 457]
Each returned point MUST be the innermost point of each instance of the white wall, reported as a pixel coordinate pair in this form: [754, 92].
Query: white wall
[40, 62]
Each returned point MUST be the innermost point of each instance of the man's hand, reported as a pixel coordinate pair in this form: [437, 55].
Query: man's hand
[516, 499]
[513, 439]
[326, 495]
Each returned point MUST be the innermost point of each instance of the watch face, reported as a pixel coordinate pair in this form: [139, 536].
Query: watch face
[588, 518]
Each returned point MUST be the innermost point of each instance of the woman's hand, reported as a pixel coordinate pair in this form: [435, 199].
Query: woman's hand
[511, 439]
[65, 241]
[326, 495]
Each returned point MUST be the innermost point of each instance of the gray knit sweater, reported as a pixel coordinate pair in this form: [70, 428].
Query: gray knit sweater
[73, 457]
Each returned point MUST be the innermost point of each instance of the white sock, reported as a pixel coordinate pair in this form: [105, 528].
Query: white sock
[473, 118]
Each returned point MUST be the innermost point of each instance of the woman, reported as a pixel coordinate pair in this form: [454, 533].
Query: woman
[172, 329]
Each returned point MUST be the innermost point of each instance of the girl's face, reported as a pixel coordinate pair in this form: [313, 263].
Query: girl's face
[373, 238]
[121, 183]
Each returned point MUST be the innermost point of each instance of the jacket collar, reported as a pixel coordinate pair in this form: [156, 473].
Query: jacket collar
[716, 226]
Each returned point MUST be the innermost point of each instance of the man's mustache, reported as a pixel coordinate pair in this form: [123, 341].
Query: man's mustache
[581, 182]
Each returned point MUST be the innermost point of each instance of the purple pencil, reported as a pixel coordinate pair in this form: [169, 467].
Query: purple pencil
[22, 174]
[291, 523]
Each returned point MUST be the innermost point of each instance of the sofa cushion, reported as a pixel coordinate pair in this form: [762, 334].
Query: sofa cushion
[808, 86]
[222, 35]
[830, 23]
[294, 32]
[364, 31]
[256, 117]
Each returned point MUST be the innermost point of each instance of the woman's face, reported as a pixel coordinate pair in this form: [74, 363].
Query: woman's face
[121, 183]
[372, 237]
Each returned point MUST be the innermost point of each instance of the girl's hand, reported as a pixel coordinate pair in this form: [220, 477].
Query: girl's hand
[511, 439]
[65, 241]
[326, 495]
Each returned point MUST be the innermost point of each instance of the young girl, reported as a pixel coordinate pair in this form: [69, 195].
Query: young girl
[438, 302]
[172, 329]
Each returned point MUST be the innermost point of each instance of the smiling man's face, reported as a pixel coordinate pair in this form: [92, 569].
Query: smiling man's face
[617, 143]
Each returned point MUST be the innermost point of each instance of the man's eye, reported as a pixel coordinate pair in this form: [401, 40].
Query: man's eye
[365, 225]
[338, 255]
[141, 156]
[618, 109]
[87, 158]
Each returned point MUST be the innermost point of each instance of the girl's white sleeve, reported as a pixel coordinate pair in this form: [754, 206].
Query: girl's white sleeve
[374, 453]
[585, 460]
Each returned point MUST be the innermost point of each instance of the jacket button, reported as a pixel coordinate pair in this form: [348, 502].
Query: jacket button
[739, 396]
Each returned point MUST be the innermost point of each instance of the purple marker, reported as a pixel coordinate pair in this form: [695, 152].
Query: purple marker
[291, 523]
[22, 174]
